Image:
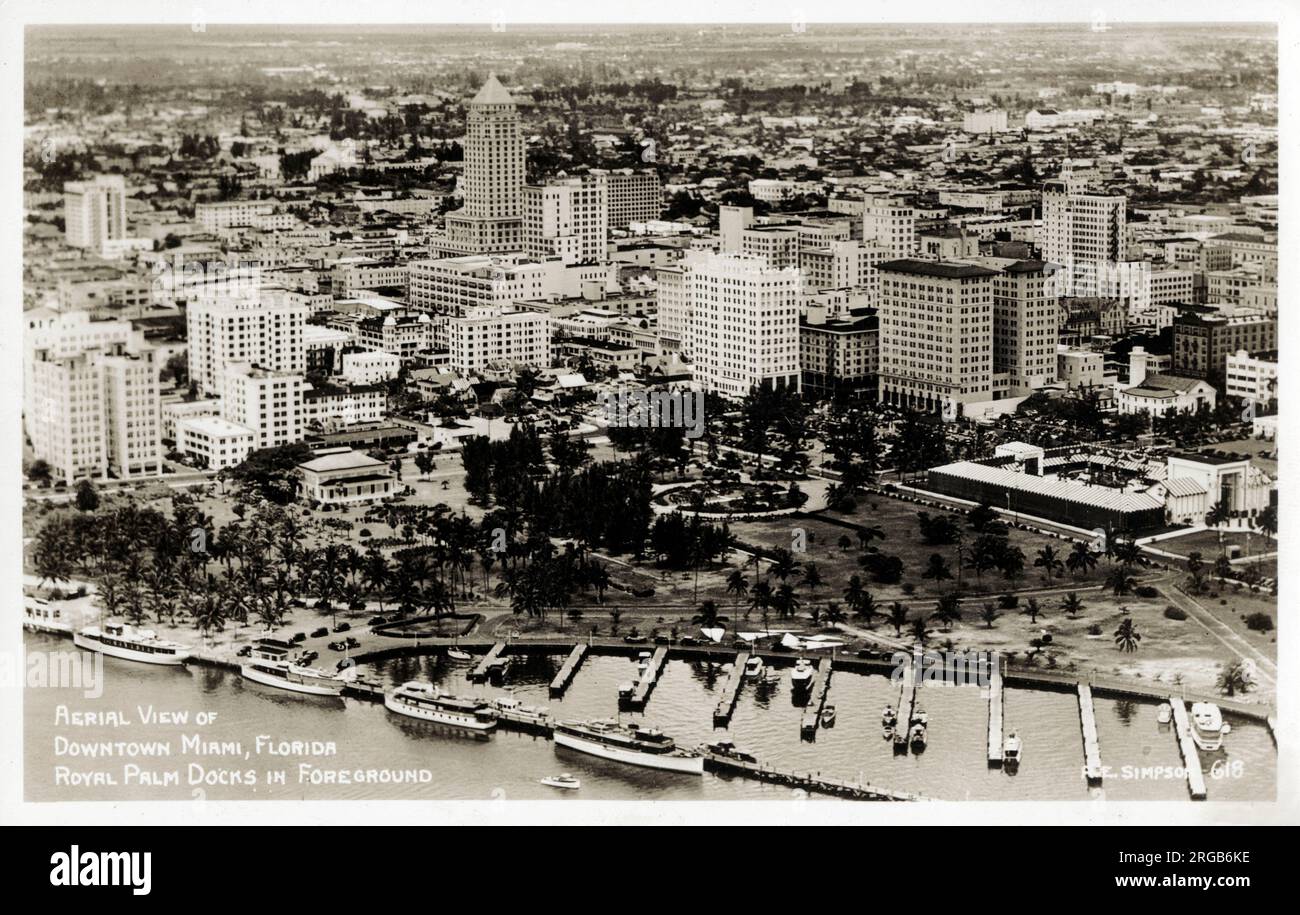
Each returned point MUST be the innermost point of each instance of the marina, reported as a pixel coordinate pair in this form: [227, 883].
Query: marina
[847, 760]
[730, 691]
[812, 712]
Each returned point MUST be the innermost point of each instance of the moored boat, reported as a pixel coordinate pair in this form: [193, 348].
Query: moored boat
[754, 667]
[122, 641]
[272, 663]
[1011, 750]
[889, 717]
[459, 654]
[727, 748]
[1165, 713]
[828, 716]
[416, 699]
[1208, 729]
[802, 675]
[627, 743]
[917, 737]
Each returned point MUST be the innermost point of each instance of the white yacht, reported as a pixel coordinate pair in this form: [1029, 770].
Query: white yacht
[273, 663]
[42, 616]
[1165, 713]
[754, 667]
[802, 675]
[122, 641]
[1208, 729]
[565, 781]
[628, 743]
[426, 702]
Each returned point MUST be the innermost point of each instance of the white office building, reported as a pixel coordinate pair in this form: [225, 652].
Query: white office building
[498, 337]
[94, 211]
[492, 183]
[265, 330]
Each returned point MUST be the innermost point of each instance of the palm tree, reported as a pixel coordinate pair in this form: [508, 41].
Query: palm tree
[897, 617]
[989, 614]
[707, 617]
[844, 542]
[1081, 559]
[783, 565]
[760, 597]
[948, 611]
[1072, 605]
[868, 533]
[1126, 636]
[738, 585]
[1032, 610]
[834, 614]
[812, 578]
[1234, 677]
[919, 631]
[1218, 515]
[937, 569]
[1048, 561]
[853, 593]
[785, 601]
[1120, 581]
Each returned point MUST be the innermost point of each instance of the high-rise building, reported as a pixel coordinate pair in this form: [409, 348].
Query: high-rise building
[1203, 343]
[269, 403]
[1084, 232]
[1026, 325]
[936, 335]
[91, 404]
[492, 183]
[742, 330]
[634, 196]
[265, 330]
[890, 223]
[567, 218]
[490, 335]
[94, 211]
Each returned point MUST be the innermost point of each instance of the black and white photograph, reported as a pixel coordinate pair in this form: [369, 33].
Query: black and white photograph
[752, 410]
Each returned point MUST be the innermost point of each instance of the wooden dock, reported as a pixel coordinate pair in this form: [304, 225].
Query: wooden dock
[1091, 748]
[807, 781]
[906, 697]
[490, 661]
[641, 693]
[730, 690]
[571, 665]
[817, 698]
[1191, 758]
[995, 717]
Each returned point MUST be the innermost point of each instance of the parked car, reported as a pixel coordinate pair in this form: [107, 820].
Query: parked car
[244, 652]
[688, 640]
[353, 643]
[634, 639]
[299, 637]
[317, 633]
[338, 646]
[378, 620]
[342, 627]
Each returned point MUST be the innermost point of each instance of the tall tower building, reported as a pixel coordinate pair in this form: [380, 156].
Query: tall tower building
[742, 331]
[936, 335]
[492, 184]
[265, 330]
[1083, 231]
[891, 224]
[94, 211]
[1026, 325]
[567, 218]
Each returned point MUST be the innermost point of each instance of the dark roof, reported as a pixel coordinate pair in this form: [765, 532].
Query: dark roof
[1031, 266]
[939, 269]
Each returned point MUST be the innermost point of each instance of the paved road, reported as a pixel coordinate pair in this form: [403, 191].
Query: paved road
[1265, 667]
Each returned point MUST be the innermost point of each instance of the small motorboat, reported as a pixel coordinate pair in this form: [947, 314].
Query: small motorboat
[889, 717]
[565, 781]
[459, 654]
[828, 716]
[770, 677]
[917, 737]
[626, 689]
[754, 667]
[728, 749]
[1011, 750]
[887, 732]
[1165, 713]
[920, 717]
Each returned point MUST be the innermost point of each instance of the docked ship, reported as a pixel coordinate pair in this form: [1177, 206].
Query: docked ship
[426, 702]
[122, 641]
[42, 616]
[628, 743]
[273, 663]
[801, 677]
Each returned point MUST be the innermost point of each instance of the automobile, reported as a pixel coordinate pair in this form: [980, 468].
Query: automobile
[870, 653]
[321, 631]
[342, 627]
[378, 620]
[309, 656]
[244, 651]
[353, 643]
[635, 639]
[299, 637]
[688, 640]
[663, 640]
[338, 646]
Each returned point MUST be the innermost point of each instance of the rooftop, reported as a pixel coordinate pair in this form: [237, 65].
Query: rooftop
[940, 269]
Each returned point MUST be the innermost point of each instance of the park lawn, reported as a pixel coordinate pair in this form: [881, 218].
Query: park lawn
[903, 539]
[1207, 543]
[1169, 649]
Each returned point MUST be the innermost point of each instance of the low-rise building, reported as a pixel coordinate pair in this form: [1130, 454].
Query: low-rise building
[345, 476]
